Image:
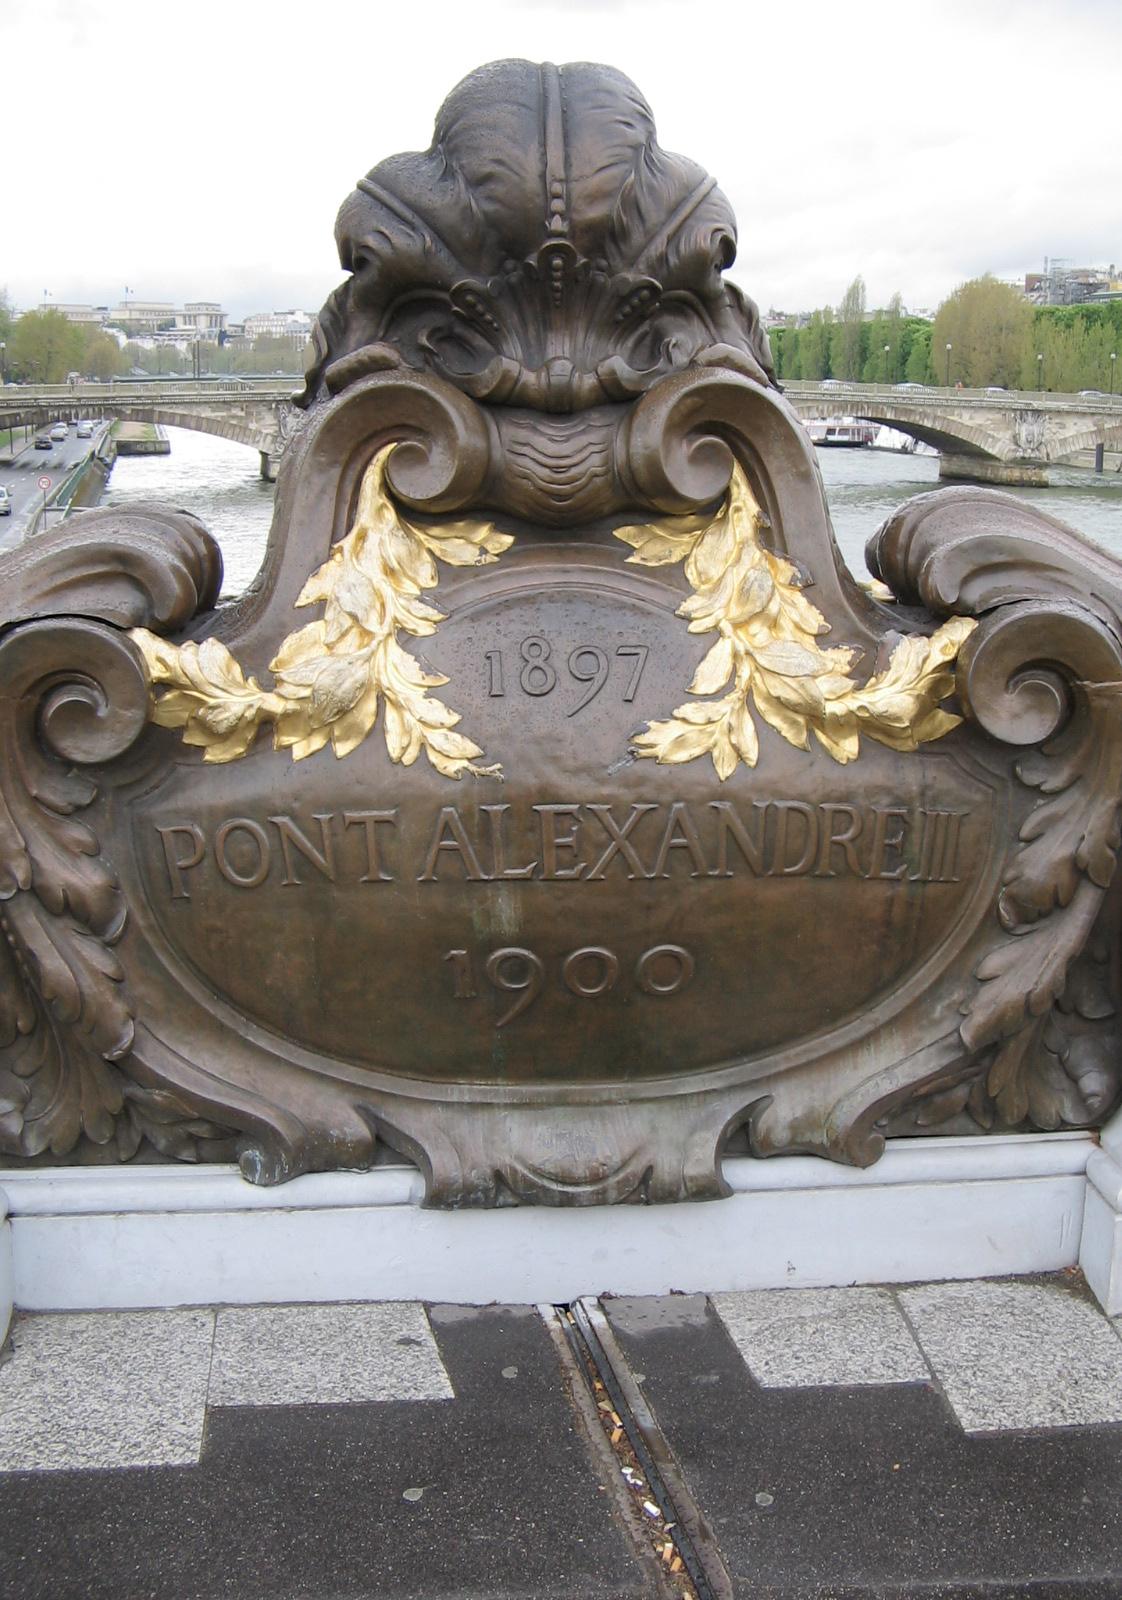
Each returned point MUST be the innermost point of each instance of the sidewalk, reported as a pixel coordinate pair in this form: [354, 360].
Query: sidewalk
[938, 1440]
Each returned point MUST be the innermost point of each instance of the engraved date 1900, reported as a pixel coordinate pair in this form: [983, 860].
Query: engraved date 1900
[592, 970]
[535, 671]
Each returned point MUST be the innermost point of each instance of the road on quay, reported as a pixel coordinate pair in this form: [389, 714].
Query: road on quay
[21, 476]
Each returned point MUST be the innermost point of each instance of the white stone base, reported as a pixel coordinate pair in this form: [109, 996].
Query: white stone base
[1100, 1250]
[167, 1236]
[6, 1274]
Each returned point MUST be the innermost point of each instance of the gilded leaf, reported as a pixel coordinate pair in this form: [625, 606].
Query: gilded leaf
[715, 670]
[333, 675]
[768, 644]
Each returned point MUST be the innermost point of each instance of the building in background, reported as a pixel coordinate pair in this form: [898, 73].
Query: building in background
[92, 316]
[201, 319]
[279, 325]
[1061, 284]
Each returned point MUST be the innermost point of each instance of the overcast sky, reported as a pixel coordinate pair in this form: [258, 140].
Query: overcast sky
[200, 150]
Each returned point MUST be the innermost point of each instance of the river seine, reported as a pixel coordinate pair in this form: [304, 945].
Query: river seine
[219, 483]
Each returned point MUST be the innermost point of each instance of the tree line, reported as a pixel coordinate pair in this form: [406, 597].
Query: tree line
[985, 333]
[994, 335]
[44, 347]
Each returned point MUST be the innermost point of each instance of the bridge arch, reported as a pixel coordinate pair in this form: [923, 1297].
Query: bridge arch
[237, 430]
[950, 435]
[1086, 434]
[254, 423]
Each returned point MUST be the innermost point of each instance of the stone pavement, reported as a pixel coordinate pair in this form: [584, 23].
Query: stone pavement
[944, 1439]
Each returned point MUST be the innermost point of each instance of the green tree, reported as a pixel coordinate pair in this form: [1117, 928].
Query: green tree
[102, 357]
[139, 359]
[814, 345]
[44, 347]
[849, 342]
[986, 323]
[270, 353]
[918, 366]
[886, 331]
[785, 351]
[1076, 343]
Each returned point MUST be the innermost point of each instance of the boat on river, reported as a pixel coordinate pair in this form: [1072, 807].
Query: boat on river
[843, 433]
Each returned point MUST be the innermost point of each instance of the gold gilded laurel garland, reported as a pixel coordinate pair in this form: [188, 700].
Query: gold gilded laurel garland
[332, 676]
[767, 653]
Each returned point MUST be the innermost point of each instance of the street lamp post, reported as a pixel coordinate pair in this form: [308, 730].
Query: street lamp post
[886, 350]
[1113, 359]
[947, 369]
[3, 362]
[1040, 374]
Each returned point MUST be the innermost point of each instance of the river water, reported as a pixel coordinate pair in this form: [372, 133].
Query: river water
[219, 482]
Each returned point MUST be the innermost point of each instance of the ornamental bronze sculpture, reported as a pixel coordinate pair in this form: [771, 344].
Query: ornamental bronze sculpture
[554, 809]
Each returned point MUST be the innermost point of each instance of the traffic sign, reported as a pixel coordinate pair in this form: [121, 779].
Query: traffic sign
[44, 483]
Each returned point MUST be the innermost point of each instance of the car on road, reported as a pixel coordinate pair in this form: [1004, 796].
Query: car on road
[42, 441]
[910, 388]
[59, 432]
[85, 430]
[995, 388]
[1091, 394]
[832, 383]
[5, 502]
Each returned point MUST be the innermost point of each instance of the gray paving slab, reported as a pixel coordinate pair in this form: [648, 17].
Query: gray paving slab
[1018, 1355]
[497, 1495]
[873, 1492]
[325, 1355]
[792, 1338]
[105, 1389]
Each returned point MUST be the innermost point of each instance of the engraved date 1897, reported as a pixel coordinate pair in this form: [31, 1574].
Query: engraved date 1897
[535, 670]
[592, 970]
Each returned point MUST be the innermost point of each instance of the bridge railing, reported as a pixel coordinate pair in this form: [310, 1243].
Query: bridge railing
[89, 395]
[834, 390]
[123, 390]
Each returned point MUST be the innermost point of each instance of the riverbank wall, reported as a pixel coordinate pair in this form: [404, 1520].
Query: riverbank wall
[140, 439]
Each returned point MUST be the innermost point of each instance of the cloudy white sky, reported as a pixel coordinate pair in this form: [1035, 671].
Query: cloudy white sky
[199, 149]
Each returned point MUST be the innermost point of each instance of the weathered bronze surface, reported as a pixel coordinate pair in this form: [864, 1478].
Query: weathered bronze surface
[555, 806]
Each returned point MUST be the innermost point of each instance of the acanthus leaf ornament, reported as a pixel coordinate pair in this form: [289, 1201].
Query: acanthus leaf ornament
[768, 649]
[76, 695]
[334, 675]
[1045, 674]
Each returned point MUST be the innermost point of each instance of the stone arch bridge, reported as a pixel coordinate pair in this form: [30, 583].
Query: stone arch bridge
[988, 436]
[257, 413]
[985, 435]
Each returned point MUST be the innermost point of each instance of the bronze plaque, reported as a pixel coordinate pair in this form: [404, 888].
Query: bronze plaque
[555, 808]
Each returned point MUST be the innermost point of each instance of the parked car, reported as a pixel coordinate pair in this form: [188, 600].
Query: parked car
[5, 502]
[59, 432]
